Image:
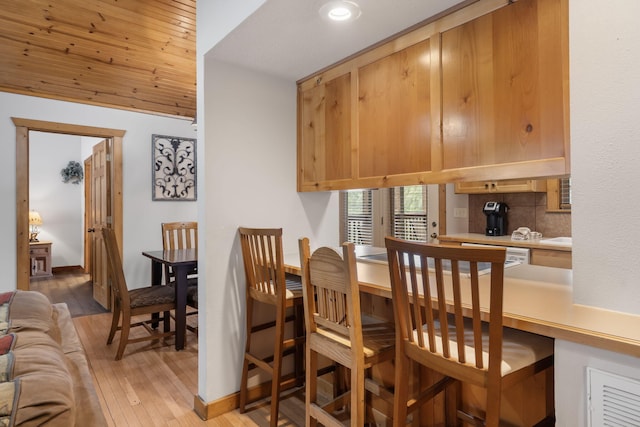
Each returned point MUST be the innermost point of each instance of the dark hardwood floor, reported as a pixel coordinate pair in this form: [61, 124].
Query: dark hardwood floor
[71, 287]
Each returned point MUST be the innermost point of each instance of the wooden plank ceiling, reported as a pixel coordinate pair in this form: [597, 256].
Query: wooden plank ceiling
[130, 54]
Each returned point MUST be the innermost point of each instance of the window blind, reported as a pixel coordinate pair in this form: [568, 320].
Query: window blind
[358, 212]
[409, 212]
[565, 193]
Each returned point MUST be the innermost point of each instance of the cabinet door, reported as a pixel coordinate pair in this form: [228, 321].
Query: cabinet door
[503, 87]
[394, 113]
[324, 143]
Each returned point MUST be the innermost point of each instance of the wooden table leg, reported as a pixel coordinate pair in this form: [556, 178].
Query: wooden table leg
[156, 280]
[181, 304]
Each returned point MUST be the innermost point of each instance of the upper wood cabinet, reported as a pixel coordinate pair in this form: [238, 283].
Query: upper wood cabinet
[367, 123]
[325, 129]
[394, 117]
[504, 89]
[477, 95]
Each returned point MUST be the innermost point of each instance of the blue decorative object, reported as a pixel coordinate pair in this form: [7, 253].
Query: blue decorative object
[72, 173]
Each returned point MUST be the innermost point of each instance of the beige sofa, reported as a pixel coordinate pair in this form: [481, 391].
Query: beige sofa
[44, 374]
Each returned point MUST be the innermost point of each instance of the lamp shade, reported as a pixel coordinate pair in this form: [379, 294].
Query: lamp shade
[35, 218]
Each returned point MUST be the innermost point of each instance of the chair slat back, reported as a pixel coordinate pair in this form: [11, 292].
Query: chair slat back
[180, 235]
[119, 284]
[434, 288]
[263, 262]
[330, 289]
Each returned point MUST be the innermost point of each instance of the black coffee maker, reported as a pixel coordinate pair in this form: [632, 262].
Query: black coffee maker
[496, 213]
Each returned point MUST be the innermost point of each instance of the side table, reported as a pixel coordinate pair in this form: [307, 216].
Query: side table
[40, 254]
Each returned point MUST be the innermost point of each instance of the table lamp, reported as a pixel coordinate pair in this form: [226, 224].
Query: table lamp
[35, 221]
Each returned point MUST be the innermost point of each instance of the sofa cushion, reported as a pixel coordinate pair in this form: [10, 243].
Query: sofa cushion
[7, 401]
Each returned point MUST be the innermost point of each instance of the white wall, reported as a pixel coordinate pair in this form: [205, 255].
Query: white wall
[605, 153]
[142, 216]
[250, 181]
[59, 204]
[571, 361]
[456, 225]
[605, 149]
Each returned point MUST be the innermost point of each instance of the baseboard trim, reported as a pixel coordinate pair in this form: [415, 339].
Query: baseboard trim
[208, 410]
[67, 269]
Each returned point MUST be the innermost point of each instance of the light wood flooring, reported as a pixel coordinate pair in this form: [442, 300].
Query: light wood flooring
[154, 385]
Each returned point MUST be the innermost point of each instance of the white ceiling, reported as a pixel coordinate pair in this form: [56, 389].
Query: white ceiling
[288, 38]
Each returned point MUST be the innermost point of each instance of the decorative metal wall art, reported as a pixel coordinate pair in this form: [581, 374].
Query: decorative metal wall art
[174, 168]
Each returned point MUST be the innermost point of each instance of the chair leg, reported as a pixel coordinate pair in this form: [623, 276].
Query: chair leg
[357, 395]
[311, 386]
[453, 398]
[114, 322]
[124, 334]
[400, 396]
[299, 335]
[277, 366]
[245, 364]
[167, 322]
[494, 394]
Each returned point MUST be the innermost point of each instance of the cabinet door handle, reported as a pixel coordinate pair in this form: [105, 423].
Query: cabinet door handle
[91, 230]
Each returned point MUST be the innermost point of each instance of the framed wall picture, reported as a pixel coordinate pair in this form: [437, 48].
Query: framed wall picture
[173, 162]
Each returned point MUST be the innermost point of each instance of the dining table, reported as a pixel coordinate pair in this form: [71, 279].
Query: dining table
[182, 262]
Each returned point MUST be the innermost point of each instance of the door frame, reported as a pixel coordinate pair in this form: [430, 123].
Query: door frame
[88, 176]
[23, 126]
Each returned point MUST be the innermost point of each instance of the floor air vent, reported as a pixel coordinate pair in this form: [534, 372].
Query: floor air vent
[613, 400]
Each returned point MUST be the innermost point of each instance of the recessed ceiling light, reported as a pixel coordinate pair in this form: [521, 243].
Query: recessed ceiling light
[340, 10]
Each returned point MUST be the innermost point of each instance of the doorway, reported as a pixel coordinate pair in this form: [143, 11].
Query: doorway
[23, 126]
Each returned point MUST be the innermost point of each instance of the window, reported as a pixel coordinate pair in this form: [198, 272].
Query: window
[565, 193]
[367, 216]
[559, 195]
[409, 212]
[358, 207]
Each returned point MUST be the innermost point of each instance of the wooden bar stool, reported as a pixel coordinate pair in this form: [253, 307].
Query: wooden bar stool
[337, 330]
[462, 345]
[268, 284]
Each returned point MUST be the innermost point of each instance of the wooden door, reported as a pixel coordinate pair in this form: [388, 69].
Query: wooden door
[100, 214]
[88, 183]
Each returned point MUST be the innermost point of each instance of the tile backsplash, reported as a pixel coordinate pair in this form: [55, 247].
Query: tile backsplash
[525, 210]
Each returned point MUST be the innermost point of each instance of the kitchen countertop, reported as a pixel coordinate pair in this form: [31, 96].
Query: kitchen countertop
[503, 241]
[536, 299]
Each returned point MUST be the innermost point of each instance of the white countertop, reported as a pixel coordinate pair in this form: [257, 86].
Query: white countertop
[503, 241]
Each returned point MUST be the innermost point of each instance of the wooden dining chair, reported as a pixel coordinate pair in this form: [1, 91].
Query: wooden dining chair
[449, 319]
[337, 330]
[134, 302]
[267, 283]
[182, 235]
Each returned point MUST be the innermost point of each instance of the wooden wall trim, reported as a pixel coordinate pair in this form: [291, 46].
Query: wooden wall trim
[69, 129]
[22, 208]
[23, 126]
[209, 410]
